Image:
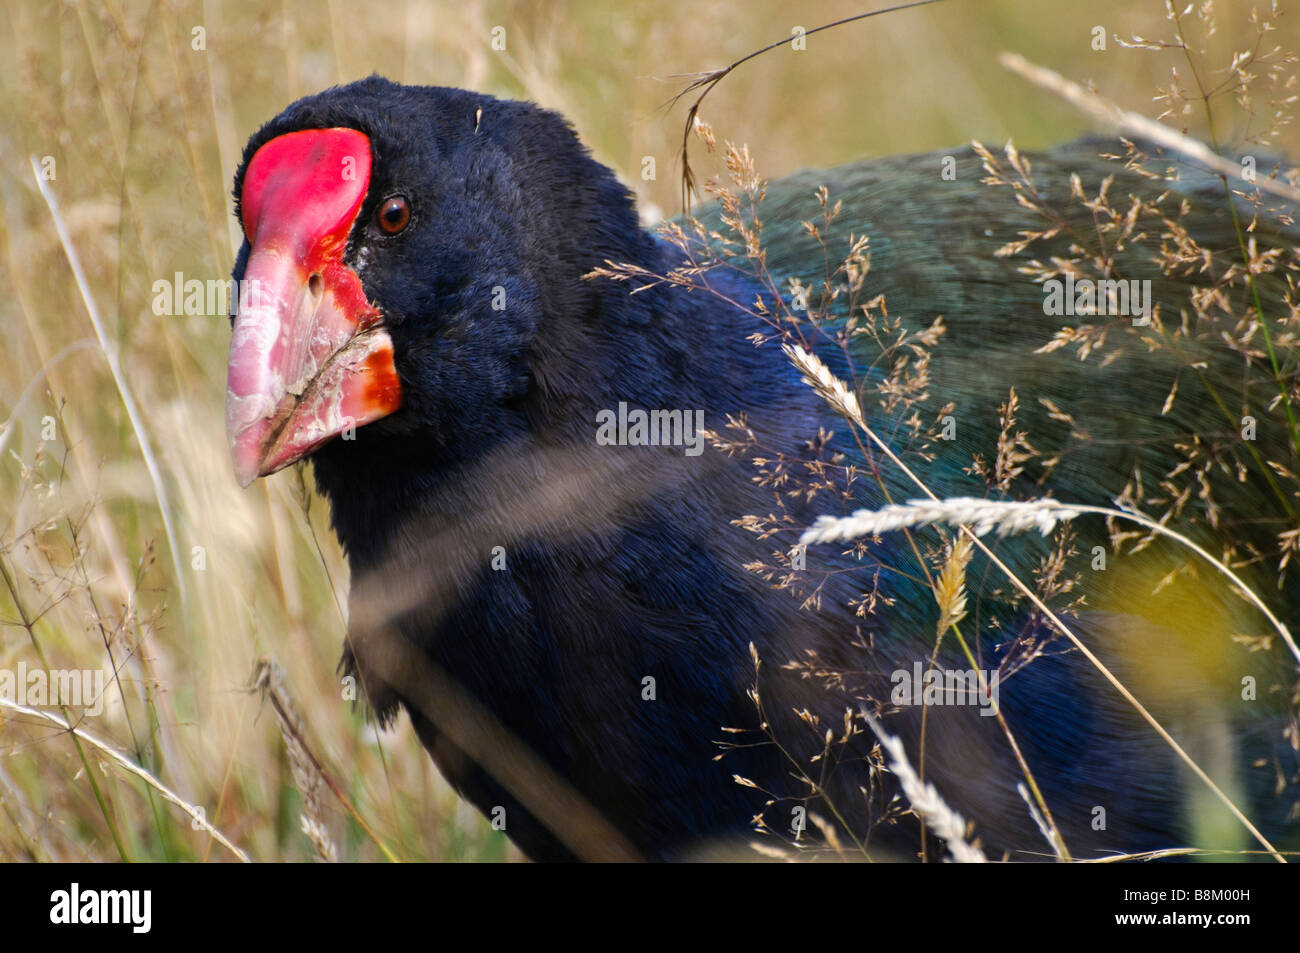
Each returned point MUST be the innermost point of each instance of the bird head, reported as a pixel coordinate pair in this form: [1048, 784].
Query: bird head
[402, 248]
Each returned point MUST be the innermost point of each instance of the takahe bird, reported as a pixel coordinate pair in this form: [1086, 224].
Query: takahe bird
[612, 645]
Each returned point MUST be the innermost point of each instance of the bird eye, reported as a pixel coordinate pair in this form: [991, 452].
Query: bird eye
[394, 214]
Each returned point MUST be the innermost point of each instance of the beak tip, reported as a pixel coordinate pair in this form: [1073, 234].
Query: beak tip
[248, 456]
[245, 474]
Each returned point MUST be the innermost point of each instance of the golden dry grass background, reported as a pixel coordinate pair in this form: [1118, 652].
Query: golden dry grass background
[145, 132]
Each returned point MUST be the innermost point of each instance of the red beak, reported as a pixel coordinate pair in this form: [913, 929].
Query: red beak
[310, 359]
